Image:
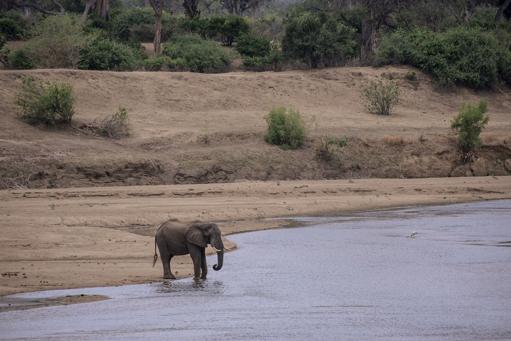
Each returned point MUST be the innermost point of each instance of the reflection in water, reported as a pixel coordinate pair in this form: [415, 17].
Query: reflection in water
[187, 287]
[431, 273]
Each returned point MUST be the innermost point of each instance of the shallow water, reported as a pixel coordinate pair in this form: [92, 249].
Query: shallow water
[356, 277]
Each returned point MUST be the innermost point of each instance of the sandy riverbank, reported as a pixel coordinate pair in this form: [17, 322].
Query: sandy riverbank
[68, 238]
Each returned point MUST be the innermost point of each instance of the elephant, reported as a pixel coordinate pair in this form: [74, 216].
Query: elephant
[175, 239]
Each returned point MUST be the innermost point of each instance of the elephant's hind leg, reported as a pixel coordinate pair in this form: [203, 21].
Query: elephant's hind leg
[203, 265]
[165, 260]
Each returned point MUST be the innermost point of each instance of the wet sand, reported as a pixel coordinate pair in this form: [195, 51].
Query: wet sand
[433, 273]
[71, 238]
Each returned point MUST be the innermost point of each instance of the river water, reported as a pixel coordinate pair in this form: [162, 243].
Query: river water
[433, 273]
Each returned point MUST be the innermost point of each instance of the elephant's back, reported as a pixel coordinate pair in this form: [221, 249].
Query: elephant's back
[173, 236]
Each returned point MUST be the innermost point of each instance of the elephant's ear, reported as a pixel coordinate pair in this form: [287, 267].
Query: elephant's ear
[195, 235]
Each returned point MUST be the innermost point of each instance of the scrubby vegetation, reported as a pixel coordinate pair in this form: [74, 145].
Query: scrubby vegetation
[468, 125]
[381, 96]
[115, 126]
[49, 104]
[285, 128]
[192, 53]
[56, 43]
[328, 148]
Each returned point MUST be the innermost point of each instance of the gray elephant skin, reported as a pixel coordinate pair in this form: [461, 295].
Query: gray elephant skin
[175, 239]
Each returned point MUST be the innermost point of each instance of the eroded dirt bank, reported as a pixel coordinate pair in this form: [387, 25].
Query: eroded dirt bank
[206, 128]
[77, 237]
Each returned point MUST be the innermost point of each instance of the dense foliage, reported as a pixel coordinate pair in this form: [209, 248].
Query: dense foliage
[13, 26]
[226, 29]
[461, 55]
[317, 39]
[56, 43]
[101, 53]
[195, 54]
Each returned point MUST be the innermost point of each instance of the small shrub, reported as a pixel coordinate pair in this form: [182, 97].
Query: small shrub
[115, 126]
[57, 42]
[381, 96]
[469, 124]
[50, 104]
[328, 148]
[100, 53]
[411, 76]
[158, 63]
[285, 128]
[19, 59]
[197, 55]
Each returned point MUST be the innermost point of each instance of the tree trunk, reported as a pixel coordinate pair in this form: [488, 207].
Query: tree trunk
[502, 8]
[102, 8]
[368, 40]
[157, 34]
[89, 4]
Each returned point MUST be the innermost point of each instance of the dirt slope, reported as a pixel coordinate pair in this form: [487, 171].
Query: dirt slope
[199, 128]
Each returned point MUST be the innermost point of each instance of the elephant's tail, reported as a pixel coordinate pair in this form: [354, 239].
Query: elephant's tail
[155, 258]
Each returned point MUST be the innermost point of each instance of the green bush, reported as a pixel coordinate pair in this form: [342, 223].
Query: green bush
[317, 39]
[458, 56]
[285, 128]
[115, 126]
[197, 55]
[19, 59]
[158, 63]
[57, 42]
[252, 46]
[381, 96]
[469, 124]
[271, 62]
[50, 104]
[100, 53]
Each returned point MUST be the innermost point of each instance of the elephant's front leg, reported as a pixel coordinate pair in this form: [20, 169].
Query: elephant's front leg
[195, 253]
[204, 266]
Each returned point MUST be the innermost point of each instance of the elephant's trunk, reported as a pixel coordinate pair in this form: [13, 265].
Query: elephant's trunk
[220, 255]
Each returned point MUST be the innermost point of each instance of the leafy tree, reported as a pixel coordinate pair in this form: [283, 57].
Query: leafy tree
[317, 39]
